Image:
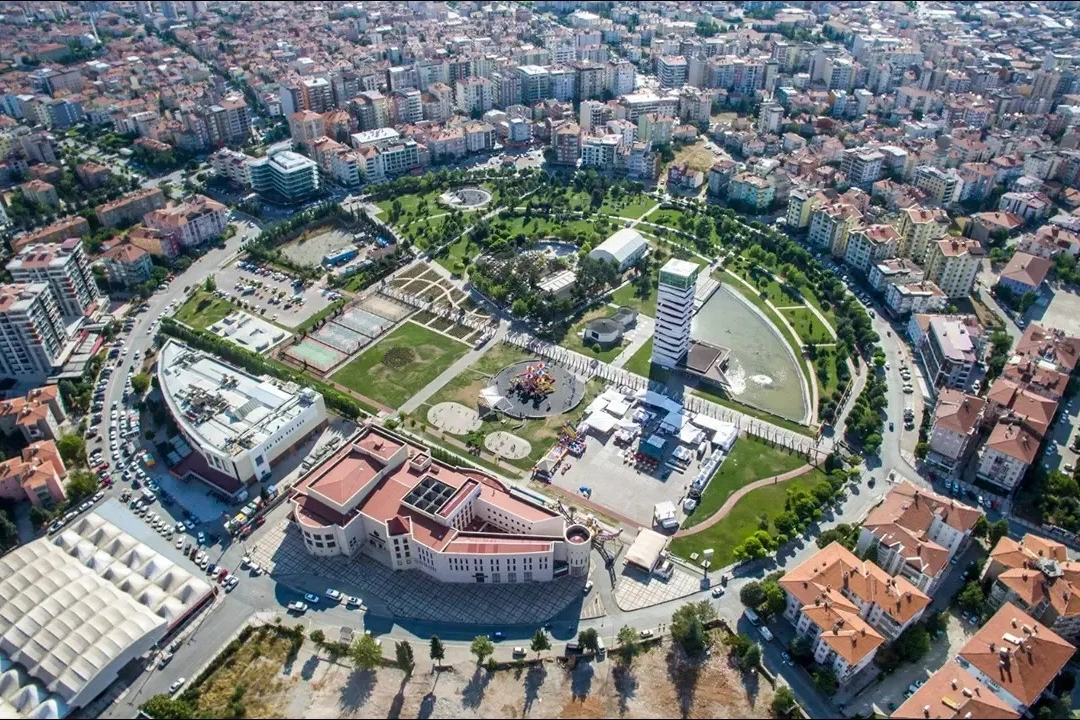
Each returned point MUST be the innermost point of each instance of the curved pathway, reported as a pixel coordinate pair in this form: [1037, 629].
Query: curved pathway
[730, 502]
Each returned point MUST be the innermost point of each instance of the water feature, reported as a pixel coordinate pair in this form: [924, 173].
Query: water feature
[762, 371]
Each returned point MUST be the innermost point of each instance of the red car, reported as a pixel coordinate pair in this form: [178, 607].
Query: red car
[222, 575]
[102, 466]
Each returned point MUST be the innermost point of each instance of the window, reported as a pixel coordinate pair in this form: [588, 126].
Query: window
[259, 460]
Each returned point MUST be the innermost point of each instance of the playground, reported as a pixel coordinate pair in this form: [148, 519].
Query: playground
[454, 418]
[536, 389]
[507, 445]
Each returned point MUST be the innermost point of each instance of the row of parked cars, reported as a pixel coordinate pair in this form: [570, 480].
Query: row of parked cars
[301, 606]
[74, 513]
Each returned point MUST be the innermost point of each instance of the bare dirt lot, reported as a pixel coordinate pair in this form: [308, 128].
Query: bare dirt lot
[592, 689]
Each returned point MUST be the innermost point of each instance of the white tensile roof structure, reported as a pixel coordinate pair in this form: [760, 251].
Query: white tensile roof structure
[76, 608]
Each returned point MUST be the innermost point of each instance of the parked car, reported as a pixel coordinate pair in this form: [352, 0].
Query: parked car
[297, 607]
[311, 598]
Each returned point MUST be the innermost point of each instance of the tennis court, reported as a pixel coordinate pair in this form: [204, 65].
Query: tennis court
[383, 306]
[315, 354]
[356, 320]
[340, 338]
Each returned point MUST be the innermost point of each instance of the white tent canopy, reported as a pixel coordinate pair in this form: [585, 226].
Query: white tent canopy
[647, 548]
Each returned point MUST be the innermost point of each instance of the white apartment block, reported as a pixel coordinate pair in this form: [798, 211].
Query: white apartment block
[943, 186]
[868, 246]
[674, 311]
[66, 268]
[863, 167]
[671, 71]
[1007, 455]
[953, 263]
[599, 151]
[32, 332]
[920, 227]
[831, 225]
[957, 418]
[473, 95]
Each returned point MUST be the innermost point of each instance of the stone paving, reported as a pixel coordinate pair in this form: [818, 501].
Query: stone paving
[454, 418]
[635, 590]
[508, 445]
[412, 594]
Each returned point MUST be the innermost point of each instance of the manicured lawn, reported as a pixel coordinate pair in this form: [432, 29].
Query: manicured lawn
[827, 382]
[458, 251]
[632, 208]
[742, 521]
[399, 365]
[410, 206]
[810, 329]
[573, 340]
[751, 459]
[628, 295]
[203, 310]
[640, 363]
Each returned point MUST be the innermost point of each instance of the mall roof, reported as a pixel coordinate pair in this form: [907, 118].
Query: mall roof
[73, 604]
[226, 407]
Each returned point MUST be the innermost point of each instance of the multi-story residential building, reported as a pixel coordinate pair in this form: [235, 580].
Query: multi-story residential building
[229, 123]
[285, 174]
[589, 80]
[130, 208]
[1034, 207]
[474, 95]
[239, 425]
[894, 271]
[869, 245]
[386, 498]
[861, 166]
[62, 230]
[752, 191]
[566, 140]
[942, 186]
[801, 203]
[317, 94]
[920, 227]
[902, 299]
[535, 83]
[305, 127]
[620, 77]
[406, 106]
[195, 221]
[66, 268]
[1025, 274]
[674, 312]
[40, 192]
[914, 533]
[599, 151]
[671, 71]
[1016, 656]
[957, 419]
[126, 265]
[831, 225]
[1007, 455]
[953, 263]
[32, 331]
[1036, 575]
[953, 693]
[949, 349]
[37, 416]
[562, 83]
[233, 166]
[848, 608]
[38, 475]
[1049, 346]
[770, 118]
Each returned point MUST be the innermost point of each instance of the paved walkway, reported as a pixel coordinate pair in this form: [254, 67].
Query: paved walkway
[730, 502]
[642, 334]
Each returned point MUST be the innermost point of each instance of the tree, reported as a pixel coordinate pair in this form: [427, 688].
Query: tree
[981, 527]
[140, 383]
[629, 644]
[365, 652]
[825, 681]
[540, 642]
[775, 600]
[163, 707]
[752, 594]
[72, 450]
[436, 650]
[971, 598]
[318, 637]
[211, 284]
[589, 640]
[9, 534]
[998, 530]
[481, 647]
[751, 657]
[688, 626]
[81, 486]
[404, 654]
[783, 702]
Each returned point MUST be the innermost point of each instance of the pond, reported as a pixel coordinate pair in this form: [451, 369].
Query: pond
[762, 370]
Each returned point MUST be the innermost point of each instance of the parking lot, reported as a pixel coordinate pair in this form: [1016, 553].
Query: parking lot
[273, 291]
[1062, 313]
[618, 484]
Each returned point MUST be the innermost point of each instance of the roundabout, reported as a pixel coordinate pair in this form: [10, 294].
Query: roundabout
[468, 198]
[536, 389]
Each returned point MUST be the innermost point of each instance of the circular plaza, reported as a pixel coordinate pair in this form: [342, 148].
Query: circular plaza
[537, 389]
[468, 198]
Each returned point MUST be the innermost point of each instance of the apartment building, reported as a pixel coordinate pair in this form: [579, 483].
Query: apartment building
[894, 271]
[919, 228]
[903, 299]
[566, 141]
[474, 95]
[66, 268]
[130, 208]
[535, 83]
[32, 331]
[1049, 346]
[305, 127]
[1007, 455]
[1016, 656]
[1036, 575]
[195, 221]
[848, 608]
[599, 151]
[952, 693]
[1034, 207]
[385, 497]
[671, 71]
[37, 476]
[948, 348]
[914, 533]
[62, 230]
[955, 429]
[285, 174]
[37, 416]
[953, 264]
[752, 191]
[126, 265]
[869, 245]
[944, 187]
[1025, 274]
[831, 225]
[39, 192]
[862, 167]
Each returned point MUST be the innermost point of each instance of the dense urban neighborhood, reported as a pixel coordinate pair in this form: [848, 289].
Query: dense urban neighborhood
[618, 359]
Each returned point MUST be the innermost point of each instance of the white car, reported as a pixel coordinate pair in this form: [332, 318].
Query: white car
[177, 685]
[333, 594]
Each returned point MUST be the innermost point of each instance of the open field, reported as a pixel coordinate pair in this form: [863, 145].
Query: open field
[628, 295]
[697, 155]
[628, 207]
[572, 339]
[742, 521]
[203, 310]
[400, 364]
[751, 459]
